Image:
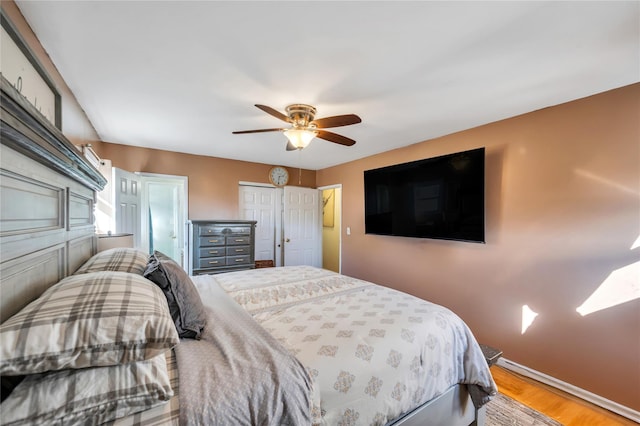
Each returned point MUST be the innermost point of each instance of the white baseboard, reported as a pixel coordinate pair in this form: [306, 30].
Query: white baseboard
[571, 389]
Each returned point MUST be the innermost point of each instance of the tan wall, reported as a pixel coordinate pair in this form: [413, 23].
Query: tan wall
[213, 182]
[563, 210]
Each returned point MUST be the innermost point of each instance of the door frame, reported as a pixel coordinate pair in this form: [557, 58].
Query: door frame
[144, 208]
[337, 201]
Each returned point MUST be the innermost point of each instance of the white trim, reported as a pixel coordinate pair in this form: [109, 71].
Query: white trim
[178, 180]
[265, 185]
[335, 185]
[571, 389]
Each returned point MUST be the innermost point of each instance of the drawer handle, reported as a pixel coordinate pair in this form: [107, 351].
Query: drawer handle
[213, 262]
[239, 250]
[213, 241]
[239, 240]
[239, 260]
[213, 251]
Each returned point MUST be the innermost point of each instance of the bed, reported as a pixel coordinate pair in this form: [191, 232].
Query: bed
[121, 337]
[373, 354]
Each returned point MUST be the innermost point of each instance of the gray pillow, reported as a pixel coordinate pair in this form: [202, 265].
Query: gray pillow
[182, 296]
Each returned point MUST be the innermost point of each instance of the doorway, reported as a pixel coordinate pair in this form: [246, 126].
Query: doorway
[164, 212]
[332, 227]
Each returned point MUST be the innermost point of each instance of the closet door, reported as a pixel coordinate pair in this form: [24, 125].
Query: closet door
[259, 204]
[302, 227]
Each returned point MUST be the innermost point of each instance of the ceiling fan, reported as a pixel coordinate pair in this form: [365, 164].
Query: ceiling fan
[304, 126]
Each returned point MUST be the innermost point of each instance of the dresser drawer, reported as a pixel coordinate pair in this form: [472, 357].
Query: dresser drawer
[214, 240]
[237, 230]
[238, 260]
[212, 251]
[206, 230]
[211, 262]
[223, 230]
[238, 250]
[238, 240]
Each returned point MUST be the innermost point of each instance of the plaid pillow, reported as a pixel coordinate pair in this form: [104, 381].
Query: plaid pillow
[116, 259]
[164, 414]
[89, 395]
[88, 320]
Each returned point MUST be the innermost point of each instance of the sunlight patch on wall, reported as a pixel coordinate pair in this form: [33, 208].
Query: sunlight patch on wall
[622, 285]
[608, 182]
[528, 316]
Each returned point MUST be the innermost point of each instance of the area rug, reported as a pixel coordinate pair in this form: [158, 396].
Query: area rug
[504, 411]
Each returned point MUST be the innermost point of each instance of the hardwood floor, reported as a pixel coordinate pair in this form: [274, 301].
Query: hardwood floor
[565, 408]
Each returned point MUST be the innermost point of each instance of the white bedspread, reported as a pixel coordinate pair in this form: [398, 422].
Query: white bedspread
[373, 353]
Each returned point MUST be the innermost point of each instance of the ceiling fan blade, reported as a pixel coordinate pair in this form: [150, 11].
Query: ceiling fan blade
[334, 137]
[238, 132]
[337, 121]
[274, 112]
[291, 147]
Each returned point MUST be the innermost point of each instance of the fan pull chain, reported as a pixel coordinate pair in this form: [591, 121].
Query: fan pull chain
[299, 168]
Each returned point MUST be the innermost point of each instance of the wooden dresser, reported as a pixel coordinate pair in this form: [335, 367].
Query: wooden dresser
[221, 246]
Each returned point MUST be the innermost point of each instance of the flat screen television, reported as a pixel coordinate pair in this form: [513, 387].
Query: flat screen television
[440, 197]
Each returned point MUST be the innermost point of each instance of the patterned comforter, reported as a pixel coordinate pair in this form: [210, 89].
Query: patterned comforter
[373, 353]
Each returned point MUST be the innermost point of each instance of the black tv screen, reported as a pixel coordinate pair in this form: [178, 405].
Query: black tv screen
[441, 197]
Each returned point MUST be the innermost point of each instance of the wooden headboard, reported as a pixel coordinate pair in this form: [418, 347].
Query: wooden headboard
[47, 197]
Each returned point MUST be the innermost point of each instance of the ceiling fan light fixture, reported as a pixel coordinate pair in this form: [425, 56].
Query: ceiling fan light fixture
[304, 126]
[300, 138]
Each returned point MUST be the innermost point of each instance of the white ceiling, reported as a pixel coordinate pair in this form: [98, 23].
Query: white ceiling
[182, 75]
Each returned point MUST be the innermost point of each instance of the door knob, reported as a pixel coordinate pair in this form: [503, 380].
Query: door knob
[287, 240]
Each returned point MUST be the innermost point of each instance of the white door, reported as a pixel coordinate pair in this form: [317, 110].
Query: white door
[259, 204]
[126, 187]
[302, 224]
[164, 201]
